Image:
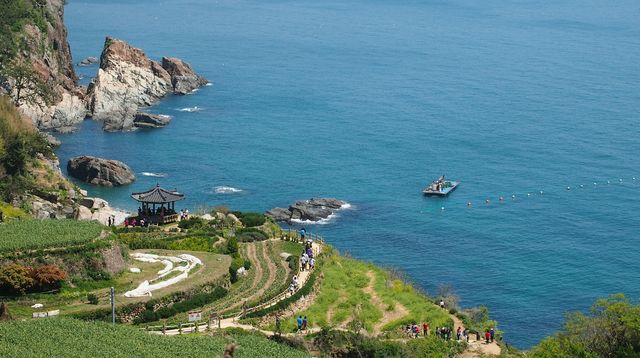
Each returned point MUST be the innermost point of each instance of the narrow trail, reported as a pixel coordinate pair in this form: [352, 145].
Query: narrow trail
[271, 268]
[476, 348]
[256, 265]
[398, 312]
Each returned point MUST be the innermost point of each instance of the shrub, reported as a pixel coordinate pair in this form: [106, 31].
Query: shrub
[251, 235]
[195, 301]
[247, 264]
[92, 298]
[192, 223]
[294, 263]
[233, 269]
[48, 277]
[232, 246]
[15, 278]
[250, 219]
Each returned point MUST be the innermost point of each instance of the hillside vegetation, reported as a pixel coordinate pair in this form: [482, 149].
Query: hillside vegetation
[20, 235]
[20, 143]
[59, 337]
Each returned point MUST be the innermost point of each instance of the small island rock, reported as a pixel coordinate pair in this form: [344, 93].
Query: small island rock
[100, 171]
[314, 209]
[149, 120]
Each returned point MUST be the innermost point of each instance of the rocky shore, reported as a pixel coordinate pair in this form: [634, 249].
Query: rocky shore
[314, 210]
[98, 171]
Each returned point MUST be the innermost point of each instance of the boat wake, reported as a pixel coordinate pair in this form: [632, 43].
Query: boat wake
[155, 175]
[226, 190]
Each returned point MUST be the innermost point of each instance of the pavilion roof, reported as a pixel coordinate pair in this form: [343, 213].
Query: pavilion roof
[157, 195]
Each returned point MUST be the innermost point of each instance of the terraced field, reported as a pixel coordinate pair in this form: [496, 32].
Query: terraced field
[269, 276]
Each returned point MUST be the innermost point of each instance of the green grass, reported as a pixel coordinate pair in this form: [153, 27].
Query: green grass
[10, 212]
[342, 292]
[20, 235]
[60, 337]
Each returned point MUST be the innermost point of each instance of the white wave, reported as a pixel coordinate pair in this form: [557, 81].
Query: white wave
[194, 90]
[191, 109]
[155, 175]
[209, 84]
[226, 190]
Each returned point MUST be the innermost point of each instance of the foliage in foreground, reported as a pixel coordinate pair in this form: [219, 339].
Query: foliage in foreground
[39, 234]
[611, 329]
[62, 337]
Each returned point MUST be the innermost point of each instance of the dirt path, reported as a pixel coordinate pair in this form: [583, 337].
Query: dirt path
[255, 264]
[398, 312]
[271, 267]
[476, 348]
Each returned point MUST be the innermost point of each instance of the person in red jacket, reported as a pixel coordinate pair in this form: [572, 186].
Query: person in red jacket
[425, 329]
[487, 336]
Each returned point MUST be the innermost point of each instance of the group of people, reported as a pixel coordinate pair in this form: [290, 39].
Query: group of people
[302, 323]
[133, 222]
[184, 214]
[307, 261]
[111, 220]
[446, 333]
[293, 287]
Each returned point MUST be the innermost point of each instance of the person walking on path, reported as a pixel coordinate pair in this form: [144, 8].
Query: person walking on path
[493, 333]
[304, 323]
[487, 336]
[442, 304]
[278, 331]
[425, 329]
[299, 321]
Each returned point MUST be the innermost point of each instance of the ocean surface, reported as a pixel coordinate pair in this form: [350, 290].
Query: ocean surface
[368, 101]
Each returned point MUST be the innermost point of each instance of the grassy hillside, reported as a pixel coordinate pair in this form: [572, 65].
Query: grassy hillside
[59, 337]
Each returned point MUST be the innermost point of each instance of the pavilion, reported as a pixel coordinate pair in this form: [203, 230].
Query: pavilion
[158, 205]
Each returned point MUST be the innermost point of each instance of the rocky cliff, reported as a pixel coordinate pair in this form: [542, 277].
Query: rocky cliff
[40, 49]
[128, 80]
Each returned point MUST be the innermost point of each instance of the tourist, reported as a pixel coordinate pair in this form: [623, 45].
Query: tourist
[458, 332]
[303, 232]
[408, 330]
[278, 330]
[142, 222]
[416, 330]
[299, 321]
[487, 336]
[126, 222]
[465, 333]
[477, 336]
[441, 303]
[304, 323]
[109, 221]
[493, 333]
[425, 329]
[312, 263]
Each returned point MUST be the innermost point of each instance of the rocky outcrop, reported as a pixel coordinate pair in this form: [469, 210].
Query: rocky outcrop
[47, 52]
[100, 171]
[88, 61]
[148, 120]
[314, 209]
[183, 78]
[128, 80]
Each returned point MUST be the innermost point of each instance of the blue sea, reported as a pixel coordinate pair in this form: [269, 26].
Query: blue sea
[368, 101]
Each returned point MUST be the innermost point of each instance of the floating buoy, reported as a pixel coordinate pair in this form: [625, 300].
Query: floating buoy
[634, 178]
[501, 198]
[468, 203]
[608, 182]
[528, 194]
[442, 208]
[541, 192]
[568, 188]
[621, 180]
[582, 186]
[513, 196]
[595, 183]
[487, 201]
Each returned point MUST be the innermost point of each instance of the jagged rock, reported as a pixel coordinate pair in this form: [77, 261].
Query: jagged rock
[148, 120]
[53, 141]
[67, 113]
[183, 79]
[100, 171]
[65, 130]
[88, 61]
[127, 80]
[314, 209]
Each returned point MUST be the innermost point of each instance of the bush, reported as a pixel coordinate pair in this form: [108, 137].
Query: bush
[247, 264]
[294, 263]
[15, 278]
[92, 298]
[251, 235]
[192, 223]
[250, 219]
[233, 269]
[48, 277]
[232, 247]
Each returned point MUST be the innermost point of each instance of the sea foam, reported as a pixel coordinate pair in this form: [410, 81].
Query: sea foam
[226, 190]
[155, 175]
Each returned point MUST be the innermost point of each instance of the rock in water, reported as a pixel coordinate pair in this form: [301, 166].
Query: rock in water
[183, 79]
[148, 120]
[88, 61]
[100, 171]
[127, 80]
[314, 209]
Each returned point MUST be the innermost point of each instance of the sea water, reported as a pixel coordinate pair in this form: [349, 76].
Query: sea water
[368, 101]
